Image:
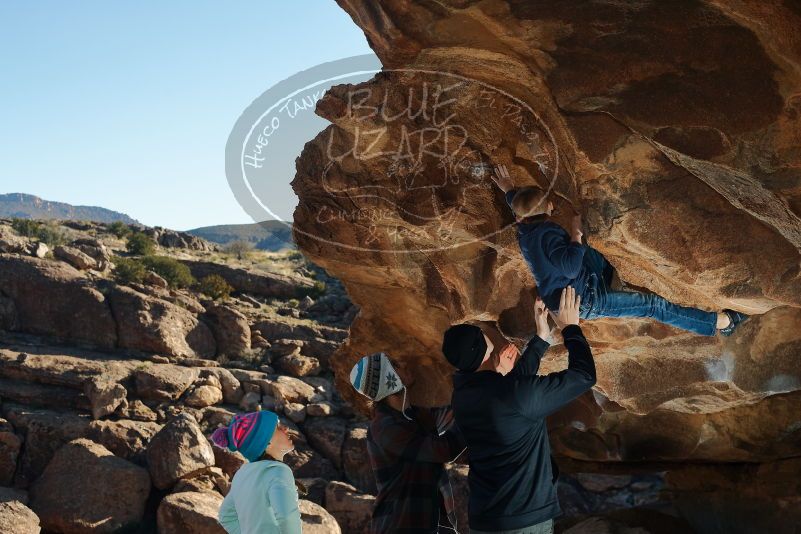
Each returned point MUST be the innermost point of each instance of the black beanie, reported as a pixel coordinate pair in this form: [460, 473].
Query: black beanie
[464, 346]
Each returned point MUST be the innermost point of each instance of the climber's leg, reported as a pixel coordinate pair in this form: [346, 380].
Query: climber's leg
[631, 304]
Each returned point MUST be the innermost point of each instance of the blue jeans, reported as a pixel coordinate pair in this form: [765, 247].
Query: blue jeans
[597, 300]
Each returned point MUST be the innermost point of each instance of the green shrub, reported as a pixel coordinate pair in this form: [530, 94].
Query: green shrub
[317, 290]
[52, 234]
[141, 244]
[241, 249]
[293, 303]
[26, 227]
[253, 356]
[215, 286]
[173, 271]
[47, 232]
[119, 229]
[142, 366]
[295, 255]
[129, 270]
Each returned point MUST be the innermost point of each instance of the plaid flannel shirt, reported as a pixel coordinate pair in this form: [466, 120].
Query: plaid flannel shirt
[407, 459]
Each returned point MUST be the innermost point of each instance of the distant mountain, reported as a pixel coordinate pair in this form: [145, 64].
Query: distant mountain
[265, 235]
[32, 207]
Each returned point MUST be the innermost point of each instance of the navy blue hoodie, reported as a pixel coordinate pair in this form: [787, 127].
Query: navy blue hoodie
[502, 418]
[554, 260]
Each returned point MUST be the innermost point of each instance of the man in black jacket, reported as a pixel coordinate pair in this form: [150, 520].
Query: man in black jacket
[500, 405]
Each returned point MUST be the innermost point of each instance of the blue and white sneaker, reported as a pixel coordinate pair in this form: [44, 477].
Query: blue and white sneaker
[735, 318]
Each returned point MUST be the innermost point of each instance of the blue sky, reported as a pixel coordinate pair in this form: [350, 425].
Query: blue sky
[128, 105]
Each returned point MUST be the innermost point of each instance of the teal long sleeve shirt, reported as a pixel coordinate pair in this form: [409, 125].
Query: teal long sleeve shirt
[263, 500]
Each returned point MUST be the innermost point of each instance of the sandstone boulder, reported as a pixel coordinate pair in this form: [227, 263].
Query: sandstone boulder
[315, 489]
[323, 387]
[176, 239]
[153, 279]
[30, 282]
[327, 435]
[210, 479]
[38, 249]
[251, 281]
[251, 401]
[179, 449]
[150, 324]
[320, 409]
[298, 365]
[231, 388]
[307, 462]
[44, 432]
[10, 445]
[9, 320]
[296, 412]
[16, 518]
[351, 509]
[75, 257]
[230, 327]
[95, 249]
[355, 460]
[163, 381]
[11, 242]
[257, 341]
[137, 411]
[288, 389]
[85, 488]
[215, 417]
[105, 396]
[125, 438]
[228, 461]
[63, 366]
[316, 520]
[203, 396]
[190, 512]
[43, 396]
[286, 347]
[188, 300]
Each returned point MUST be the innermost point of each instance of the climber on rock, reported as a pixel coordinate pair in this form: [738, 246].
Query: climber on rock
[557, 258]
[500, 405]
[408, 446]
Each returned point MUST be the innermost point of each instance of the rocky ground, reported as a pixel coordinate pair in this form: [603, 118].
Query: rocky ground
[109, 390]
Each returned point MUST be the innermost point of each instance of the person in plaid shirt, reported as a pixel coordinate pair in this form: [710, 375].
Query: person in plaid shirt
[408, 446]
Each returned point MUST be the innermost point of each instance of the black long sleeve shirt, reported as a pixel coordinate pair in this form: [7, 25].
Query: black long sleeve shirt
[502, 419]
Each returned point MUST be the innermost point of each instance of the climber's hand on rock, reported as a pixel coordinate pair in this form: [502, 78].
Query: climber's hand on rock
[502, 178]
[575, 229]
[569, 304]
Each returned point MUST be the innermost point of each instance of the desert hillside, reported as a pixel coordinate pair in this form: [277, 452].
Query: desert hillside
[122, 347]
